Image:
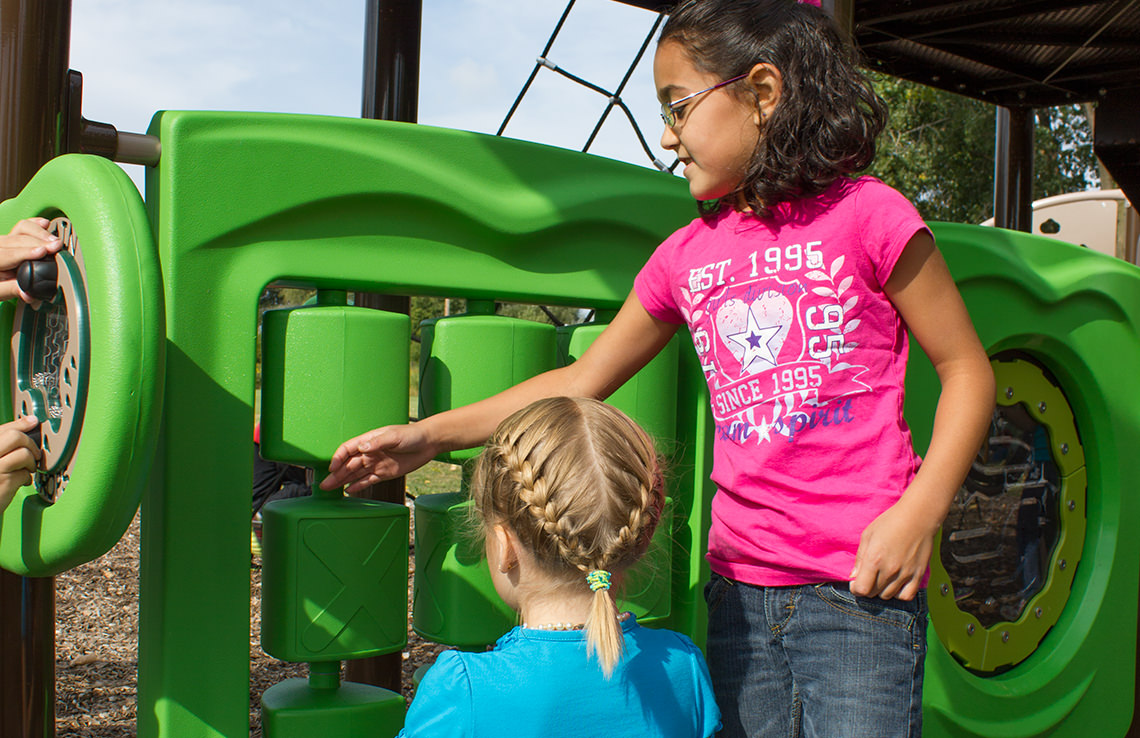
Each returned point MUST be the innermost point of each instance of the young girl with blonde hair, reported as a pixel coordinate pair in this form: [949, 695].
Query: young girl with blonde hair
[568, 494]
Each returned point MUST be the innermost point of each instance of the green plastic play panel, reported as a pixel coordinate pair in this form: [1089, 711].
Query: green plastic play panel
[90, 364]
[1063, 325]
[240, 201]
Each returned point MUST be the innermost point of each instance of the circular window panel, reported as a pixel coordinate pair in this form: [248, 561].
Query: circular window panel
[1004, 561]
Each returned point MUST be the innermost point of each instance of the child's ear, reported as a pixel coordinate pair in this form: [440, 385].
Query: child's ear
[767, 83]
[507, 543]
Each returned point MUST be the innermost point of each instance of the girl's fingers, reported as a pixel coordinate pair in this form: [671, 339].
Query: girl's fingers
[31, 226]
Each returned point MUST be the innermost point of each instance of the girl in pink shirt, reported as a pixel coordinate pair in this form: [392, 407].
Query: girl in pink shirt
[799, 284]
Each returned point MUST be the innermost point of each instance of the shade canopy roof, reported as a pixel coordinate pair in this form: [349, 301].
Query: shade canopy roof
[1035, 53]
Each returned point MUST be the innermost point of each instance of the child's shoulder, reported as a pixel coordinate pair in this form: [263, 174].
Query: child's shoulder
[663, 638]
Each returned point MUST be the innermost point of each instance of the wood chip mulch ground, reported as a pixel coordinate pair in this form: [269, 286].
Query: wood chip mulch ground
[97, 642]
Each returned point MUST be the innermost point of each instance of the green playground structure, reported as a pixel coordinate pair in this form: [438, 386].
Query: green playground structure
[147, 393]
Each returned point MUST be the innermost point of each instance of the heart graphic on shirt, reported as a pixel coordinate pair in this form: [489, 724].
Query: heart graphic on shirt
[755, 332]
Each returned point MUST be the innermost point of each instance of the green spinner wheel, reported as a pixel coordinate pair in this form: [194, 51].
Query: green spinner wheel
[88, 361]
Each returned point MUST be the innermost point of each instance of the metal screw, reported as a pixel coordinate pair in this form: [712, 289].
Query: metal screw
[1009, 393]
[1005, 636]
[1063, 564]
[970, 629]
[1072, 505]
[1041, 407]
[1038, 612]
[944, 589]
[1064, 448]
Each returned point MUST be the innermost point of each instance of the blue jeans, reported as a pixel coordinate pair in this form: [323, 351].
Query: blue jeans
[815, 661]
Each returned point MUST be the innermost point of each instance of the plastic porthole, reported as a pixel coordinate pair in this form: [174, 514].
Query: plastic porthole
[1003, 564]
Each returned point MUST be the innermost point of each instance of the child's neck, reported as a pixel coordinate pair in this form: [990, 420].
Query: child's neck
[556, 608]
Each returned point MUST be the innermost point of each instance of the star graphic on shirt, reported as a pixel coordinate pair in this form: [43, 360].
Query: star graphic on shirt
[754, 340]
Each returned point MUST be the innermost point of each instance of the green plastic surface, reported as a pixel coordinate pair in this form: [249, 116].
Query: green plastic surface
[112, 460]
[454, 600]
[328, 374]
[1076, 314]
[240, 201]
[292, 709]
[334, 578]
[466, 358]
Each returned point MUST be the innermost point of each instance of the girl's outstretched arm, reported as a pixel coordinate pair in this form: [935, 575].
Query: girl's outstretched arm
[624, 347]
[895, 548]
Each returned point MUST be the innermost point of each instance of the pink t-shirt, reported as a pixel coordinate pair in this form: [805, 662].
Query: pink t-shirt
[805, 358]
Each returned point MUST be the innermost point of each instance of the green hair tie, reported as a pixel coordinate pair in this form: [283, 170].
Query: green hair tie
[598, 579]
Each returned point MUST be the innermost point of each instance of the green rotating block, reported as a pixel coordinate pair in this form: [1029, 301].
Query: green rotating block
[334, 578]
[454, 600]
[649, 397]
[466, 358]
[294, 709]
[330, 373]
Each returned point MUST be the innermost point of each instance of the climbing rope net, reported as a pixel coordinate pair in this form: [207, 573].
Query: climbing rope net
[614, 97]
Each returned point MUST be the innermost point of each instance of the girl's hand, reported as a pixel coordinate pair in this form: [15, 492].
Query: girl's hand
[17, 457]
[379, 455]
[27, 240]
[894, 552]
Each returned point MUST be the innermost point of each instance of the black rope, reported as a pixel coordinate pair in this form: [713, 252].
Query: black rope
[537, 66]
[614, 98]
[625, 80]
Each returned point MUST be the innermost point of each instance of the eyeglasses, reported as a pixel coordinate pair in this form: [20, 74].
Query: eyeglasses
[669, 109]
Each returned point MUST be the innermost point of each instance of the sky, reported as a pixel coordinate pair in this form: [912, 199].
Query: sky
[141, 56]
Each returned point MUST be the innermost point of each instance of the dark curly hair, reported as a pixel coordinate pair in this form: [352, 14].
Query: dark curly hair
[828, 117]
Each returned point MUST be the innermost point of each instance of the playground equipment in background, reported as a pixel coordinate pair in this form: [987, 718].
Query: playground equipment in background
[1102, 220]
[240, 201]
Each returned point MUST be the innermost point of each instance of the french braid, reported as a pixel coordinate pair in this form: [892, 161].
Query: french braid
[579, 484]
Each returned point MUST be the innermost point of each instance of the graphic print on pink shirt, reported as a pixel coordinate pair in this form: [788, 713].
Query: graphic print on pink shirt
[779, 353]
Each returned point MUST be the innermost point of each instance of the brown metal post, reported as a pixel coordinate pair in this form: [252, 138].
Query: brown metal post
[34, 40]
[1013, 169]
[391, 92]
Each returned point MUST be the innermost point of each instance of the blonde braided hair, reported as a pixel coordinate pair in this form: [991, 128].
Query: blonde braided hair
[580, 485]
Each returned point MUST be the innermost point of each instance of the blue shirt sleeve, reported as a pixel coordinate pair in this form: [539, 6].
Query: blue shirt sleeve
[709, 710]
[442, 706]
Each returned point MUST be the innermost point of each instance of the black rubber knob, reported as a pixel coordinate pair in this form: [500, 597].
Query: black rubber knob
[38, 278]
[35, 435]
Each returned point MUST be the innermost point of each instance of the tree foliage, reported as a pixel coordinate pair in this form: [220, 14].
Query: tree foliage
[938, 150]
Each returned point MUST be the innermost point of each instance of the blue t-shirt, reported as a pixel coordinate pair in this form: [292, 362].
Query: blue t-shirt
[540, 683]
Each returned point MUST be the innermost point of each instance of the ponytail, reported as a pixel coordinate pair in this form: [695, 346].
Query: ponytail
[603, 630]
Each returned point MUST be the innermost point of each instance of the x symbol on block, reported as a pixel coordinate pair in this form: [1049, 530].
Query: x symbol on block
[356, 578]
